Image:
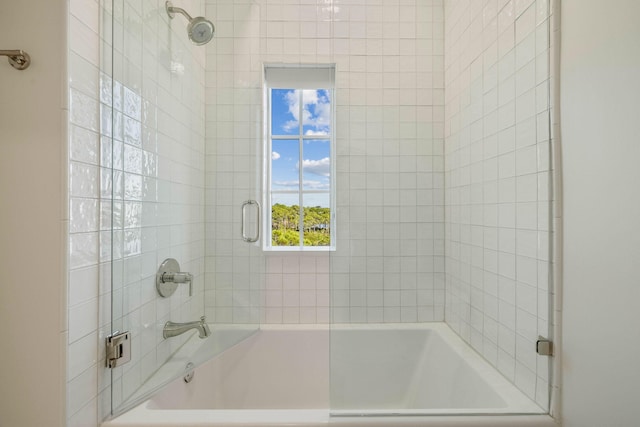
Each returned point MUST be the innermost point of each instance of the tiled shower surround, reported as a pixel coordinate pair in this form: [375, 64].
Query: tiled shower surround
[389, 262]
[441, 159]
[497, 151]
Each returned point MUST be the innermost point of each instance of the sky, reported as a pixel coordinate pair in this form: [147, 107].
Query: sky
[285, 155]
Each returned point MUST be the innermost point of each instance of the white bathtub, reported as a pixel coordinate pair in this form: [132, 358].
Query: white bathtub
[382, 375]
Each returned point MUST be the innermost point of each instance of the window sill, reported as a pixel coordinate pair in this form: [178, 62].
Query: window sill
[298, 249]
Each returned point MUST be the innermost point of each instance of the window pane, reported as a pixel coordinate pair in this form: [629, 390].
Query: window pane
[316, 112]
[316, 166]
[285, 112]
[317, 219]
[285, 220]
[285, 157]
[300, 140]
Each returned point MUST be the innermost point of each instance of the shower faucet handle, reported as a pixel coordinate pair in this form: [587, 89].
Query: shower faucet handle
[176, 277]
[179, 278]
[169, 276]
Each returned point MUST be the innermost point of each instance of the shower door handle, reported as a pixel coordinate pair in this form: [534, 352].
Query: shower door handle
[246, 238]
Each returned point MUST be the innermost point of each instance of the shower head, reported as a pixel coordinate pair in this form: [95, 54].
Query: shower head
[200, 29]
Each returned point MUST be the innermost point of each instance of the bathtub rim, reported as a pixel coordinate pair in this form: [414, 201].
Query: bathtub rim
[138, 417]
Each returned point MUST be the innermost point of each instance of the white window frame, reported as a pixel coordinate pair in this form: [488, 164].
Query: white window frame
[302, 77]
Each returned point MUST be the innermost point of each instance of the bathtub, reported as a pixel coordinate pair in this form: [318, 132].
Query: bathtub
[381, 375]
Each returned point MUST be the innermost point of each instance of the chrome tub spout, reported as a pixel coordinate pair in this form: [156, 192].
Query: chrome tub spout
[173, 329]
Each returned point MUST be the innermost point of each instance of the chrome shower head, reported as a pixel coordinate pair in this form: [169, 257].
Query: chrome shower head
[200, 29]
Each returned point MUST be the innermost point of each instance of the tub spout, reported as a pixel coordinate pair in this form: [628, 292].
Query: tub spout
[173, 329]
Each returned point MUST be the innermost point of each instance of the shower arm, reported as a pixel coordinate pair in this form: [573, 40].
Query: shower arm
[172, 10]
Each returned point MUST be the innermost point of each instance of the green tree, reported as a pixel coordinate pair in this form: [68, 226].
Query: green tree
[285, 224]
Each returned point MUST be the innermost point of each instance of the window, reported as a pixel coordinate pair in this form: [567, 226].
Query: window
[300, 158]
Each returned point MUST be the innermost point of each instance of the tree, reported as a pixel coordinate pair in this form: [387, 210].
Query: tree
[285, 224]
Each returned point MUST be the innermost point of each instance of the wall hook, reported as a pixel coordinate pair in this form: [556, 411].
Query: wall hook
[19, 59]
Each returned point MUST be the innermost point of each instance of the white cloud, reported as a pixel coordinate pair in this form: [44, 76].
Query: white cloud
[317, 167]
[316, 132]
[319, 119]
[275, 155]
[290, 125]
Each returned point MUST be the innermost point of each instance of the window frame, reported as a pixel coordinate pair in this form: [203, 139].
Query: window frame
[300, 138]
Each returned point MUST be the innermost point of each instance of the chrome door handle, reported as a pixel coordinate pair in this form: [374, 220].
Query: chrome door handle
[244, 216]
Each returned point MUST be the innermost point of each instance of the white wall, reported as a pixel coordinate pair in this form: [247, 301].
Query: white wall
[32, 217]
[600, 107]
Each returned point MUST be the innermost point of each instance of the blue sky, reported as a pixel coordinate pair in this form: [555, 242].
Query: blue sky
[285, 156]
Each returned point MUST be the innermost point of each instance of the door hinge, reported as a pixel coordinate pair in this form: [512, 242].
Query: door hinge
[118, 348]
[544, 347]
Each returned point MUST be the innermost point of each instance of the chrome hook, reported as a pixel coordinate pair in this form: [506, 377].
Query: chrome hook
[19, 59]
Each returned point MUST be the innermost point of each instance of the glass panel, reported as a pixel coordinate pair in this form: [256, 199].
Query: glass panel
[285, 112]
[157, 204]
[285, 160]
[113, 47]
[317, 219]
[285, 220]
[285, 196]
[316, 112]
[316, 166]
[440, 278]
[314, 106]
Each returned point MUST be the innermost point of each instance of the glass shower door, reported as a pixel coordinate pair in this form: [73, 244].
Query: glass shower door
[441, 272]
[164, 197]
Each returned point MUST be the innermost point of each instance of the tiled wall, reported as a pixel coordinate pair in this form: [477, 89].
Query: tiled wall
[389, 266]
[497, 145]
[84, 287]
[146, 127]
[234, 269]
[392, 123]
